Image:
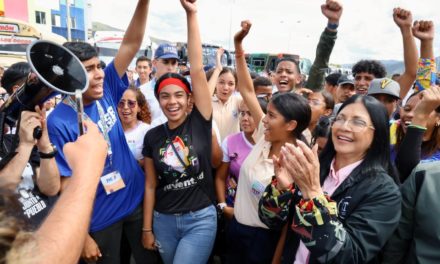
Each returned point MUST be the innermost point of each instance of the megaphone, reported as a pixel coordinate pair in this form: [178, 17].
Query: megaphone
[54, 70]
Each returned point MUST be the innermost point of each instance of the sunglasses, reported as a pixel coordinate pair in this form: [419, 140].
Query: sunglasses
[130, 103]
[4, 96]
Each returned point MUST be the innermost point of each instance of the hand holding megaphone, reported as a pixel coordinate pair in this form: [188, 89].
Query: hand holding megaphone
[29, 121]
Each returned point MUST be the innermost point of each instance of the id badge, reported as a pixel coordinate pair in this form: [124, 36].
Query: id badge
[112, 182]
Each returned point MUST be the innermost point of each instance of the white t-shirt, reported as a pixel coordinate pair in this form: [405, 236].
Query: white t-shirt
[157, 116]
[135, 139]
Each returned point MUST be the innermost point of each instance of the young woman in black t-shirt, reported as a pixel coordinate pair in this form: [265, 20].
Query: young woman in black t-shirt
[179, 216]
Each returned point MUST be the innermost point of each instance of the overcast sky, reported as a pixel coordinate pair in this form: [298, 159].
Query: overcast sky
[367, 29]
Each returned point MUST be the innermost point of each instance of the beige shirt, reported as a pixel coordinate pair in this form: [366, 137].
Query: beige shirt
[226, 115]
[255, 174]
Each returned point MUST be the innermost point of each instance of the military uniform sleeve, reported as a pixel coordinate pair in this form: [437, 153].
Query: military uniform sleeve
[323, 52]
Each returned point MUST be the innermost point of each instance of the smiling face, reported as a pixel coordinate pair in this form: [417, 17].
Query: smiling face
[350, 143]
[96, 80]
[225, 86]
[286, 76]
[143, 69]
[128, 108]
[362, 82]
[275, 126]
[407, 112]
[173, 101]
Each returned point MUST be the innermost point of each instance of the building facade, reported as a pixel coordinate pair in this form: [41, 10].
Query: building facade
[50, 15]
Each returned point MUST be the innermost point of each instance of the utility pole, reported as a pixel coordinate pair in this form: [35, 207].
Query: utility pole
[230, 24]
[69, 36]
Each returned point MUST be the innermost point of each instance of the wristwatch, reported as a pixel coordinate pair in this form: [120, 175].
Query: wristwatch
[50, 154]
[221, 206]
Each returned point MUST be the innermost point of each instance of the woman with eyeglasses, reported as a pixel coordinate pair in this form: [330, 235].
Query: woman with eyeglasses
[343, 206]
[135, 117]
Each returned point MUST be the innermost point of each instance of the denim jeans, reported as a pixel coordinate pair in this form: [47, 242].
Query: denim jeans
[185, 238]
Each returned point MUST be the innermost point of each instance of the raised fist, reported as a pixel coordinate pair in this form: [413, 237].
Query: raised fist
[332, 10]
[245, 27]
[189, 5]
[402, 17]
[423, 30]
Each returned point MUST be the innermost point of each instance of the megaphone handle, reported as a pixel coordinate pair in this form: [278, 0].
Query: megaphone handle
[38, 132]
[80, 112]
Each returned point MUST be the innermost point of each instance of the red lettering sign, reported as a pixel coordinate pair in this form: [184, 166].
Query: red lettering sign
[10, 28]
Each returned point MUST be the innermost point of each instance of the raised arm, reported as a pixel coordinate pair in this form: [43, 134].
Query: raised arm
[424, 30]
[245, 84]
[133, 37]
[200, 90]
[332, 10]
[212, 82]
[403, 19]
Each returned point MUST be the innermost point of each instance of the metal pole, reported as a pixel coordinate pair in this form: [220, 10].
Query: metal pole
[69, 36]
[230, 25]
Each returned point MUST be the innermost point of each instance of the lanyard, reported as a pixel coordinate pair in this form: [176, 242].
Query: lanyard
[105, 129]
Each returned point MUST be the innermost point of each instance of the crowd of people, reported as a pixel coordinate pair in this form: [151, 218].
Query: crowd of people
[220, 165]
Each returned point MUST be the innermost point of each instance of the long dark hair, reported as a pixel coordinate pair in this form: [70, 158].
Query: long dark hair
[293, 107]
[377, 157]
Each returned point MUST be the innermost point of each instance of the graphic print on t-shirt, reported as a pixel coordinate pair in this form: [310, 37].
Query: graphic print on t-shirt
[170, 156]
[175, 167]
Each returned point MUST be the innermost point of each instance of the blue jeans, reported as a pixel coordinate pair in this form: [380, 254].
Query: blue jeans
[186, 238]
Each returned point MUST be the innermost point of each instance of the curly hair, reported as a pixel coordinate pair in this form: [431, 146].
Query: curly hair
[144, 114]
[370, 66]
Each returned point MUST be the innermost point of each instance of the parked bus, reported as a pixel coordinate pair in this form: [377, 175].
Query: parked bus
[107, 44]
[16, 35]
[266, 62]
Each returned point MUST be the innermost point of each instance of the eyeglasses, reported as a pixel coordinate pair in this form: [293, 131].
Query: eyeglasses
[4, 96]
[131, 104]
[356, 125]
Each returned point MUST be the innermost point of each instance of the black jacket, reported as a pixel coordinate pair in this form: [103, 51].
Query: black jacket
[368, 209]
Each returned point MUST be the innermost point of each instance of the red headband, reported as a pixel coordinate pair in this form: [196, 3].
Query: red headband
[172, 81]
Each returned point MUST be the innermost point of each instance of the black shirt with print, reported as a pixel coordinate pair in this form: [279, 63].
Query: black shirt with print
[181, 189]
[35, 206]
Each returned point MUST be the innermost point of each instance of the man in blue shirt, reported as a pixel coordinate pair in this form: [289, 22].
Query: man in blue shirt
[117, 210]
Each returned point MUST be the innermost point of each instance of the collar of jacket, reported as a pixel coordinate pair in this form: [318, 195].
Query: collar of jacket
[355, 176]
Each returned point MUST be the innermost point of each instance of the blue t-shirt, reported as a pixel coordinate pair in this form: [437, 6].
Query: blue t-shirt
[63, 127]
